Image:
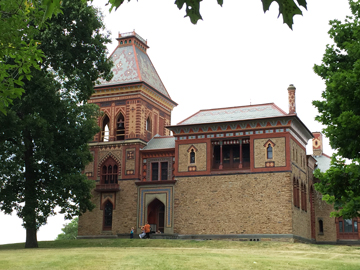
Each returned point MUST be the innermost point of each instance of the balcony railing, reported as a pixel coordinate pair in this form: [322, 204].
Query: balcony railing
[107, 187]
[133, 34]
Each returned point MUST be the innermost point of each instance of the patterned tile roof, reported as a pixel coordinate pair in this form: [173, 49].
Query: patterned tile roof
[158, 142]
[133, 65]
[234, 114]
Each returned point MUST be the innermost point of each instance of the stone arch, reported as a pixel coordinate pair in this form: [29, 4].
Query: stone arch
[105, 121]
[105, 158]
[156, 215]
[108, 207]
[119, 125]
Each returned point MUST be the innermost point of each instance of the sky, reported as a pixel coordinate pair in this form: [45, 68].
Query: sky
[236, 56]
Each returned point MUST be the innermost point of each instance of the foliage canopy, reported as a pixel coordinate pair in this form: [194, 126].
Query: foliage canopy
[69, 231]
[287, 8]
[19, 50]
[43, 138]
[340, 113]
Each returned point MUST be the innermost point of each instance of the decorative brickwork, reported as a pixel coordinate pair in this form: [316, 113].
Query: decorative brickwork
[130, 160]
[104, 154]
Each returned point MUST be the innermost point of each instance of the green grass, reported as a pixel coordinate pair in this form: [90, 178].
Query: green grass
[177, 254]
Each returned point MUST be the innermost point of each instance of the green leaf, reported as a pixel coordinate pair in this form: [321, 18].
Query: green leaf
[287, 8]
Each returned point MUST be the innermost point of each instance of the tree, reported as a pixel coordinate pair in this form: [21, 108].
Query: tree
[18, 50]
[69, 231]
[340, 112]
[288, 8]
[43, 138]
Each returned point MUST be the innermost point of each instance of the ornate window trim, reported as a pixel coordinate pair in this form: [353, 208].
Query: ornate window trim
[269, 155]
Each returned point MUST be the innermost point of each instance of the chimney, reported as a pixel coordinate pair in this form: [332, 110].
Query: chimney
[317, 143]
[292, 107]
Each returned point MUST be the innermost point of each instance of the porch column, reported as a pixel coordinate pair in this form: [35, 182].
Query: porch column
[221, 155]
[240, 164]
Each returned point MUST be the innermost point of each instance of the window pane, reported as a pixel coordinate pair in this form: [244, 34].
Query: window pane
[269, 152]
[108, 214]
[216, 155]
[321, 227]
[192, 156]
[340, 226]
[226, 153]
[154, 171]
[164, 171]
[236, 153]
[355, 226]
[348, 225]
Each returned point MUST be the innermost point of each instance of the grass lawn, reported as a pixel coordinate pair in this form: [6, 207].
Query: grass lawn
[177, 254]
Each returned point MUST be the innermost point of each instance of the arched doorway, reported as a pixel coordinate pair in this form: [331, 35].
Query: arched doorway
[156, 215]
[107, 219]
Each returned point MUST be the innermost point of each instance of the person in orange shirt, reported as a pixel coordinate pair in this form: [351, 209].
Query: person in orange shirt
[147, 230]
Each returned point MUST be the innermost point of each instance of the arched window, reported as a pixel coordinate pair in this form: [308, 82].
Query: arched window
[269, 151]
[108, 211]
[302, 197]
[148, 124]
[192, 156]
[120, 127]
[109, 172]
[105, 131]
[321, 226]
[294, 192]
[297, 194]
[304, 194]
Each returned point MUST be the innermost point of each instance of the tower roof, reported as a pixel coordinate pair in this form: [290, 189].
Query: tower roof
[132, 64]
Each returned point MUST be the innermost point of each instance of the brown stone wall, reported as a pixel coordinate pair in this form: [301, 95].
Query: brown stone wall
[301, 218]
[184, 157]
[322, 211]
[124, 215]
[260, 152]
[89, 168]
[90, 223]
[234, 204]
[298, 155]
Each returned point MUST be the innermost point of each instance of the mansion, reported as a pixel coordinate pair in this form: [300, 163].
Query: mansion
[227, 173]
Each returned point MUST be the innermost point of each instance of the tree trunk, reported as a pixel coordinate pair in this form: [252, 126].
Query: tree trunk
[31, 238]
[29, 210]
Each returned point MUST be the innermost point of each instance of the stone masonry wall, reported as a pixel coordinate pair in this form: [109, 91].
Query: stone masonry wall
[301, 218]
[261, 152]
[200, 157]
[234, 204]
[322, 211]
[124, 215]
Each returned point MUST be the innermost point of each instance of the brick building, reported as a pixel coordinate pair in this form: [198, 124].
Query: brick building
[239, 172]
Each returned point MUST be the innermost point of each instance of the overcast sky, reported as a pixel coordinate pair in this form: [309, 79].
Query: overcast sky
[236, 56]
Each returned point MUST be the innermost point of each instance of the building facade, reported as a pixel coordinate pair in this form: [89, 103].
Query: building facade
[239, 172]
